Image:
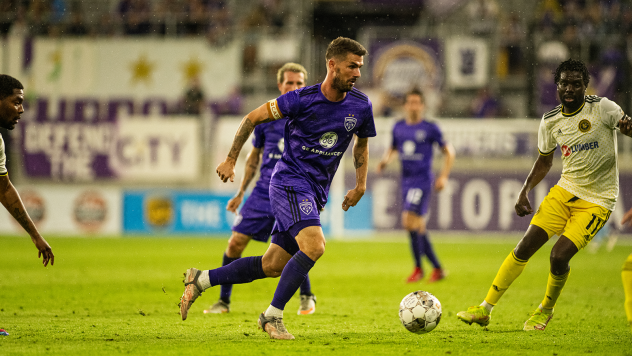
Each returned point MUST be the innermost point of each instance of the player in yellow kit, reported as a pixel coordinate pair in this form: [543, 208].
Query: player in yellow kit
[584, 126]
[626, 274]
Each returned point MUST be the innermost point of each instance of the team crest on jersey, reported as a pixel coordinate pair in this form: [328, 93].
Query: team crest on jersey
[328, 140]
[350, 123]
[306, 207]
[584, 125]
[420, 135]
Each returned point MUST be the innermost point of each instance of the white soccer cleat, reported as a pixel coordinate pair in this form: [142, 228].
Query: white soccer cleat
[220, 307]
[308, 304]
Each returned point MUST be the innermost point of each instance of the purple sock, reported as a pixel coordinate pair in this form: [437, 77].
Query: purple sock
[243, 270]
[292, 276]
[414, 245]
[227, 289]
[306, 286]
[429, 251]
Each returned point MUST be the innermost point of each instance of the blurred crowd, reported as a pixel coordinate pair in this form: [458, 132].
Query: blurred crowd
[210, 18]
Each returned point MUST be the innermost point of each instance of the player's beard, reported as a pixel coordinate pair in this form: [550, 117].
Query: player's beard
[340, 84]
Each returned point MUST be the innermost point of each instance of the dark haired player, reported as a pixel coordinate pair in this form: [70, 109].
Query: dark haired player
[11, 100]
[322, 121]
[255, 219]
[413, 140]
[584, 126]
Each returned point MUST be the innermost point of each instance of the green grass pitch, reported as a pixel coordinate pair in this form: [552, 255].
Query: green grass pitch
[119, 296]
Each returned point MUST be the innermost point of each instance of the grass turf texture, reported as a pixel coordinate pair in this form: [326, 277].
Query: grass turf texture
[110, 296]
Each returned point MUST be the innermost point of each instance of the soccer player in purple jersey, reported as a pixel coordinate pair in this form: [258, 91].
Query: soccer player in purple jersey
[413, 140]
[322, 120]
[255, 219]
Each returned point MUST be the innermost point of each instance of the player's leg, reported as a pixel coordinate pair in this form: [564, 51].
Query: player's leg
[243, 270]
[310, 240]
[236, 246]
[626, 276]
[410, 222]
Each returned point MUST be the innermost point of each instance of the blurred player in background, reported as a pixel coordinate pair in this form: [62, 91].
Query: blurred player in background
[413, 139]
[255, 219]
[584, 126]
[626, 274]
[323, 119]
[11, 100]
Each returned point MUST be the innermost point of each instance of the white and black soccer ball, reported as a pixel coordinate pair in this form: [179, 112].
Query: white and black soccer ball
[420, 312]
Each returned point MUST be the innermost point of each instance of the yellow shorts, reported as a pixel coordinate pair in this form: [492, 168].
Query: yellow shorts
[627, 265]
[562, 213]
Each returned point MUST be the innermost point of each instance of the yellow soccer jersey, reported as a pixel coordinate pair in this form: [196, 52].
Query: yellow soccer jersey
[588, 142]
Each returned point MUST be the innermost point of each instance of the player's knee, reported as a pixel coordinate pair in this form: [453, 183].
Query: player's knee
[272, 269]
[236, 246]
[559, 263]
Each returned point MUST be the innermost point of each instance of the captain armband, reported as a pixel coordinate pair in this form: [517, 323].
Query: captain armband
[273, 110]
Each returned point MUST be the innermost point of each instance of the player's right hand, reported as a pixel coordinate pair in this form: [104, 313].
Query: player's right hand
[44, 251]
[627, 218]
[234, 203]
[523, 207]
[226, 171]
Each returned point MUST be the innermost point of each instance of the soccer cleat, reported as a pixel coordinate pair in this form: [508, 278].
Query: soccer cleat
[437, 275]
[220, 307]
[417, 275]
[476, 314]
[3, 332]
[308, 304]
[191, 291]
[274, 327]
[537, 321]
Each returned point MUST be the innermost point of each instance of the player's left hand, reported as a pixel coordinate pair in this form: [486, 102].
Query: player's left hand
[440, 183]
[44, 251]
[627, 218]
[625, 126]
[352, 198]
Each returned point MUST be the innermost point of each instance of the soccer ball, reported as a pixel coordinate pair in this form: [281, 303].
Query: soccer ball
[420, 312]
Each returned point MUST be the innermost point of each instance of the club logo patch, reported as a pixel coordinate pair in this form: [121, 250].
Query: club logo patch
[306, 206]
[281, 144]
[350, 123]
[328, 140]
[238, 219]
[584, 125]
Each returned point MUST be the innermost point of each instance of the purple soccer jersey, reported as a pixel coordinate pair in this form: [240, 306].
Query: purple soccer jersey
[317, 134]
[414, 144]
[255, 217]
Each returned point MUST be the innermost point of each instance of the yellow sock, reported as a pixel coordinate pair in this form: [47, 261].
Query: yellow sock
[554, 287]
[508, 272]
[626, 275]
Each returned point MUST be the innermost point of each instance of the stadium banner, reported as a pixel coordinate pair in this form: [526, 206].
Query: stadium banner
[68, 210]
[197, 212]
[467, 62]
[475, 201]
[152, 67]
[83, 148]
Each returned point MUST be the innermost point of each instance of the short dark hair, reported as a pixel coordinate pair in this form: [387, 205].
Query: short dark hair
[572, 65]
[415, 91]
[341, 46]
[8, 84]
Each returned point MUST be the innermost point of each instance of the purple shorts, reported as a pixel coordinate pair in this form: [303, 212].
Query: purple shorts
[294, 209]
[416, 198]
[255, 217]
[285, 241]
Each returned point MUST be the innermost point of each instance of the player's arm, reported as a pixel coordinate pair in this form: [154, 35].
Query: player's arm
[252, 163]
[386, 159]
[361, 164]
[627, 218]
[449, 155]
[264, 113]
[10, 198]
[625, 125]
[538, 172]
